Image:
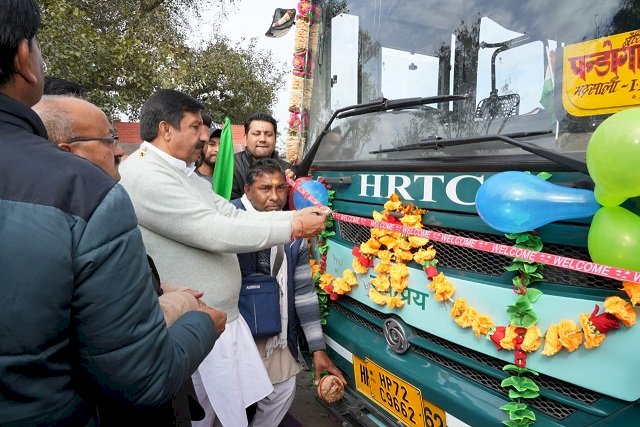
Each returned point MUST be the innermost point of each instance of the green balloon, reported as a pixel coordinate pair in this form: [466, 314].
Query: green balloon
[614, 238]
[613, 155]
[607, 199]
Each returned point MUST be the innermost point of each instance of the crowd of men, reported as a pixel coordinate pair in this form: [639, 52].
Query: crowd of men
[120, 300]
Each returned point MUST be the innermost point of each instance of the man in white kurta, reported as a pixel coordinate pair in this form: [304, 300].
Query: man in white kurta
[193, 235]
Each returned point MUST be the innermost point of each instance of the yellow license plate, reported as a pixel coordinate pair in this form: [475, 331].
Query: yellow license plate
[397, 396]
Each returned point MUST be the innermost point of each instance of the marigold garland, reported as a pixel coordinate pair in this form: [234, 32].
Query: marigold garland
[305, 43]
[318, 270]
[394, 251]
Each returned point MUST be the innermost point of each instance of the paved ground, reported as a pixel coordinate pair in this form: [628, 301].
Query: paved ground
[306, 410]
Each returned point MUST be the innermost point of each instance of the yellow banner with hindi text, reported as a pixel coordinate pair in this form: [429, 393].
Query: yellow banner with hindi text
[599, 76]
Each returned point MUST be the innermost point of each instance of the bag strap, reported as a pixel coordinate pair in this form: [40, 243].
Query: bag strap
[277, 263]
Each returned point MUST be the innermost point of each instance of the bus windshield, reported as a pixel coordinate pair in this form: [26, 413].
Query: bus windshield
[556, 69]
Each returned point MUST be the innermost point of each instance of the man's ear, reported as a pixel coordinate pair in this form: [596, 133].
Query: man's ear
[164, 129]
[65, 147]
[23, 63]
[246, 189]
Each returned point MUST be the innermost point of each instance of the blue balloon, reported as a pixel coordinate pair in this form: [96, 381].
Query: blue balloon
[515, 202]
[316, 189]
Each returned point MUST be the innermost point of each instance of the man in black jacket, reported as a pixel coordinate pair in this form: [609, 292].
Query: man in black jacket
[260, 131]
[79, 314]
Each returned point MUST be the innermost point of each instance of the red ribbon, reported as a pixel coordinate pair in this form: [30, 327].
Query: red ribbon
[484, 246]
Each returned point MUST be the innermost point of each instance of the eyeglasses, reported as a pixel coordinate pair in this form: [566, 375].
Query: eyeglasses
[113, 139]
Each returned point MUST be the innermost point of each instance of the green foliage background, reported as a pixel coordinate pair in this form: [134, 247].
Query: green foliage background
[121, 51]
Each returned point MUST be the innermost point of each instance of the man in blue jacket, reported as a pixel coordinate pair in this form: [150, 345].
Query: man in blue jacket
[265, 190]
[78, 313]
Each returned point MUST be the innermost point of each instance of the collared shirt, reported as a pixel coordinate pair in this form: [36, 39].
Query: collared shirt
[181, 165]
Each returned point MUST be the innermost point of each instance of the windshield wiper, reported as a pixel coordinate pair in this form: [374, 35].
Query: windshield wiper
[381, 104]
[558, 158]
[400, 104]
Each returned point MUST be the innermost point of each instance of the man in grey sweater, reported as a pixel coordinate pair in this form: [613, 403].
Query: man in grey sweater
[193, 235]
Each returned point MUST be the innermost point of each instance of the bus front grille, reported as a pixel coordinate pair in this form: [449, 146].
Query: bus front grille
[427, 343]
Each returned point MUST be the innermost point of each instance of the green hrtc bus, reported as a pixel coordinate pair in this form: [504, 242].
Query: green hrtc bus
[427, 99]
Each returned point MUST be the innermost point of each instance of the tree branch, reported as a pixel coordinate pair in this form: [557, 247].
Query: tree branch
[147, 6]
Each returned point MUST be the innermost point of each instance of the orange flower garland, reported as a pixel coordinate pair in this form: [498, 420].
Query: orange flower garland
[305, 43]
[394, 251]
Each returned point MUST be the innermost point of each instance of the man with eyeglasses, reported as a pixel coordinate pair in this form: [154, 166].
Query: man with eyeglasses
[70, 122]
[81, 128]
[78, 312]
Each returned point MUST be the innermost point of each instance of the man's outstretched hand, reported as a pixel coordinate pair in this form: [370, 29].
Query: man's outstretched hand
[308, 222]
[321, 363]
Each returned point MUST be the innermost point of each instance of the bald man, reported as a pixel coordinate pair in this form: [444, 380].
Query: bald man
[81, 128]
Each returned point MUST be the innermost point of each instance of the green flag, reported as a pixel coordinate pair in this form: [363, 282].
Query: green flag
[223, 173]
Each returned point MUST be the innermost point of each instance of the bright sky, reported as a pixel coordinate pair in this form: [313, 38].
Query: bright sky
[248, 19]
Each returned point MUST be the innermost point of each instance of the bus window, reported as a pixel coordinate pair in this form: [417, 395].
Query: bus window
[408, 74]
[513, 74]
[344, 61]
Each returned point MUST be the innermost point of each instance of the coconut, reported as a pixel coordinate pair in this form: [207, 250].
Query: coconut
[330, 389]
